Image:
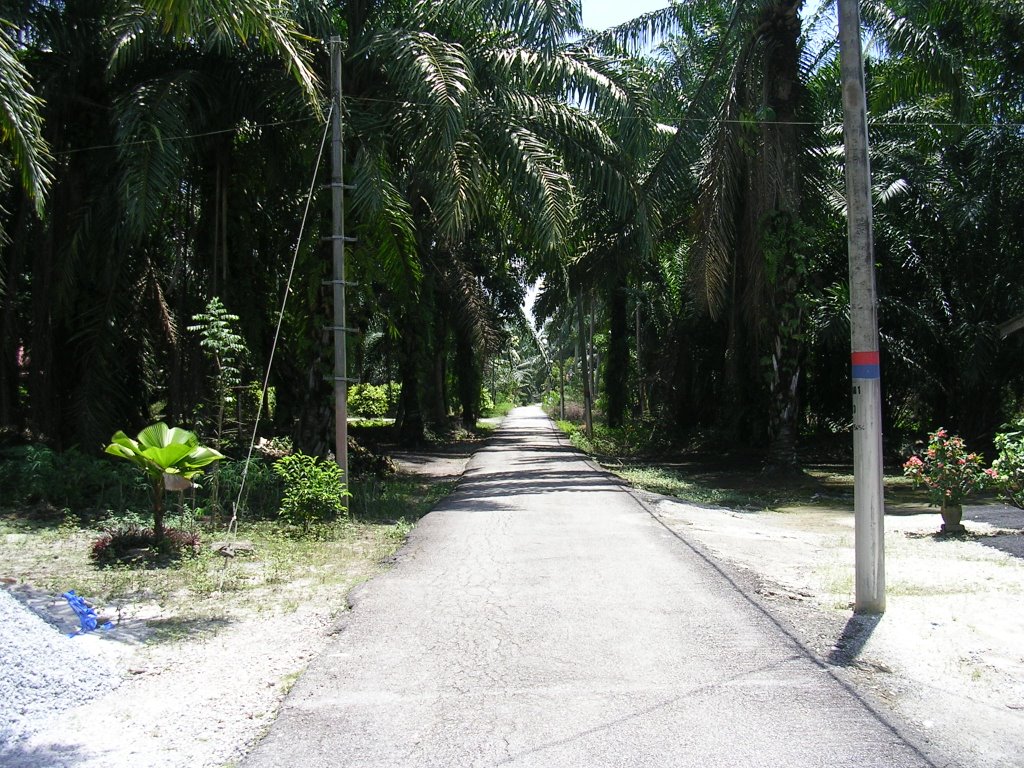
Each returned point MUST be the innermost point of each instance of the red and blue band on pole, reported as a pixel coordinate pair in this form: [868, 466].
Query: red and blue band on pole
[865, 365]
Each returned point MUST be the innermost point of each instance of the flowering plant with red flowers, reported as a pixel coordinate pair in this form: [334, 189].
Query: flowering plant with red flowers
[946, 469]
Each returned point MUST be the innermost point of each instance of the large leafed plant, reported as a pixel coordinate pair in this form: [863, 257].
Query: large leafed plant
[165, 454]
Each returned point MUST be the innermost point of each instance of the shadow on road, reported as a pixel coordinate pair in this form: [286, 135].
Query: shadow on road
[517, 483]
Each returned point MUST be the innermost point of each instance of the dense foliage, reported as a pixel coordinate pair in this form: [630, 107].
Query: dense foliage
[313, 489]
[1008, 468]
[675, 185]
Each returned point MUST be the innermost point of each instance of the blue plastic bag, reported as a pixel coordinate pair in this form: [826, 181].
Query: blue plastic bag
[86, 613]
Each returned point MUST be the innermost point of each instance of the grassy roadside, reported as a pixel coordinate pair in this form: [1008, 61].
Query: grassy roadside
[735, 483]
[49, 551]
[752, 490]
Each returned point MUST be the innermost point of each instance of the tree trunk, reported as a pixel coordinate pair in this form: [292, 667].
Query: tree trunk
[11, 349]
[584, 354]
[43, 378]
[436, 389]
[314, 434]
[469, 377]
[592, 351]
[158, 511]
[409, 422]
[561, 388]
[616, 371]
[779, 220]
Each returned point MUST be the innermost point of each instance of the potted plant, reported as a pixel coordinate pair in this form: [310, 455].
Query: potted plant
[949, 473]
[170, 456]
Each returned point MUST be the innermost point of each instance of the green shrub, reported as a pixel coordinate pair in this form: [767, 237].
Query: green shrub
[261, 497]
[637, 438]
[369, 400]
[486, 401]
[163, 454]
[313, 489]
[1008, 468]
[498, 410]
[550, 403]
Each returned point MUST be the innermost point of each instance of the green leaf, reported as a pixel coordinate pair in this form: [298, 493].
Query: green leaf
[202, 456]
[168, 456]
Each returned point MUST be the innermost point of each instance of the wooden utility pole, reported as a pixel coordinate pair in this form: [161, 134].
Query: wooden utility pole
[338, 240]
[868, 504]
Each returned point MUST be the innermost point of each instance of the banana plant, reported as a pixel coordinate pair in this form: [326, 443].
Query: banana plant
[170, 457]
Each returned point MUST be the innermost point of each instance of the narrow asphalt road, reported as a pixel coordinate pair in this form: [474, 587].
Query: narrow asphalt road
[541, 617]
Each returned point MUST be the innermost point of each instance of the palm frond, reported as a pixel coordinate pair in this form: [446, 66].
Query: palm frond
[916, 58]
[434, 74]
[538, 174]
[385, 217]
[647, 29]
[543, 24]
[21, 124]
[227, 23]
[152, 118]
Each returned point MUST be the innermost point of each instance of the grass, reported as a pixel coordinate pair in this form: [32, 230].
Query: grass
[52, 554]
[635, 452]
[499, 410]
[750, 488]
[734, 488]
[672, 482]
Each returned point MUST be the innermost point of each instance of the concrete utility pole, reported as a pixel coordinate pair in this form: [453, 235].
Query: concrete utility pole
[868, 504]
[337, 282]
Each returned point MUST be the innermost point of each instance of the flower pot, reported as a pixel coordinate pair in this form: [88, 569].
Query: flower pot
[176, 482]
[951, 516]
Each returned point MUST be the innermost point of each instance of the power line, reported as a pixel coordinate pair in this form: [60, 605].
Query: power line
[878, 122]
[872, 123]
[185, 137]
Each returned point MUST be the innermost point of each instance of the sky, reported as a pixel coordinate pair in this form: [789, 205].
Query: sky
[601, 14]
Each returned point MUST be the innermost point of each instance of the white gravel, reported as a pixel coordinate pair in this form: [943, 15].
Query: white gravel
[198, 702]
[43, 672]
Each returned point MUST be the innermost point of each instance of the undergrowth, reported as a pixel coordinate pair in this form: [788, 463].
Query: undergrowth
[640, 438]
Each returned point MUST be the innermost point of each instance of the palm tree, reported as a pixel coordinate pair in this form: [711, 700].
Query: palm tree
[747, 264]
[947, 166]
[24, 150]
[457, 119]
[125, 90]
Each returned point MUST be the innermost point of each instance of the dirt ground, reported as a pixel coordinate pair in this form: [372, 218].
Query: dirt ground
[947, 653]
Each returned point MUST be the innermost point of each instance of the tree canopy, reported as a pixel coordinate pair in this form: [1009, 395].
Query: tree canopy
[673, 186]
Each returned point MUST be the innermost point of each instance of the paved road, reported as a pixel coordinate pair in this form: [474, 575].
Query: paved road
[541, 617]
